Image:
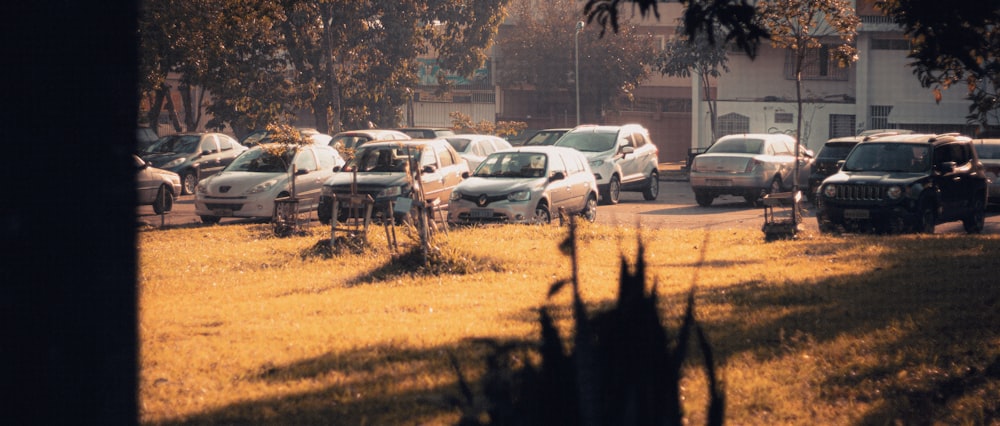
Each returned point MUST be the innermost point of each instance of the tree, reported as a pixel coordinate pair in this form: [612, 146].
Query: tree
[805, 28]
[540, 54]
[954, 43]
[683, 56]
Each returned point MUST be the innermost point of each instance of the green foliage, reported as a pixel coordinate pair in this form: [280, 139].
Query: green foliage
[623, 368]
[462, 123]
[540, 53]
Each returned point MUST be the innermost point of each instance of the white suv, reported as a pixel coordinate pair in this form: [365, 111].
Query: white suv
[623, 158]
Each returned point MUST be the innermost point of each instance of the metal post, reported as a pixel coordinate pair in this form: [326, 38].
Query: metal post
[576, 77]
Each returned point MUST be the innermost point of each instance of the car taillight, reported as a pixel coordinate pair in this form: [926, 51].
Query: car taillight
[752, 164]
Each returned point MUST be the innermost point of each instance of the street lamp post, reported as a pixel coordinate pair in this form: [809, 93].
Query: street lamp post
[579, 27]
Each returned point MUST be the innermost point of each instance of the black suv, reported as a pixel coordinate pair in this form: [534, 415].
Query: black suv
[834, 151]
[905, 183]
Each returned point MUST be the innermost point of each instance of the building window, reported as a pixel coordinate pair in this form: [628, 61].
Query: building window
[890, 44]
[783, 117]
[878, 116]
[733, 124]
[818, 64]
[841, 125]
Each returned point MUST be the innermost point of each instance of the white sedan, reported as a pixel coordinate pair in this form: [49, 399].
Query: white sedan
[248, 187]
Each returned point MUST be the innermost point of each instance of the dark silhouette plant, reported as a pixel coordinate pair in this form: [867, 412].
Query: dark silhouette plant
[624, 367]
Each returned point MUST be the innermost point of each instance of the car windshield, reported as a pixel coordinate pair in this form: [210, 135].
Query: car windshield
[385, 159]
[737, 146]
[835, 152]
[888, 157]
[175, 143]
[988, 152]
[589, 141]
[261, 161]
[348, 141]
[513, 164]
[460, 144]
[544, 138]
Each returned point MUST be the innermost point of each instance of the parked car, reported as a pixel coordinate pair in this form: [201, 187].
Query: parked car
[526, 185]
[474, 148]
[144, 137]
[835, 150]
[384, 170]
[354, 138]
[988, 151]
[248, 187]
[193, 156]
[545, 137]
[426, 132]
[905, 183]
[750, 165]
[623, 158]
[156, 187]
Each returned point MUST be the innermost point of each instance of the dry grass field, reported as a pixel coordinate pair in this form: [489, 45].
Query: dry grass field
[240, 327]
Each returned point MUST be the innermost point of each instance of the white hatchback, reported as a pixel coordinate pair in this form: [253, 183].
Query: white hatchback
[526, 184]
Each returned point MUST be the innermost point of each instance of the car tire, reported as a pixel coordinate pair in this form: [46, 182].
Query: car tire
[652, 189]
[589, 212]
[612, 194]
[210, 220]
[542, 216]
[774, 188]
[164, 201]
[925, 222]
[188, 182]
[703, 198]
[976, 220]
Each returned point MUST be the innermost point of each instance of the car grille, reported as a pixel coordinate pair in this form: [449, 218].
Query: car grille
[487, 199]
[859, 192]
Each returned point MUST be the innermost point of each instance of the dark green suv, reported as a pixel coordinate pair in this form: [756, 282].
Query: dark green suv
[905, 183]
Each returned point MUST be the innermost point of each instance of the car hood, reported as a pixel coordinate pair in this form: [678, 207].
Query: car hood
[160, 158]
[874, 178]
[342, 179]
[497, 185]
[237, 183]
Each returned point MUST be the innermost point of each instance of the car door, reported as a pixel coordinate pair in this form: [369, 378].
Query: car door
[229, 149]
[455, 168]
[957, 185]
[433, 174]
[208, 157]
[146, 184]
[630, 162]
[308, 179]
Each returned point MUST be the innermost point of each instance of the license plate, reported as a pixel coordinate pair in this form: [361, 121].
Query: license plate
[856, 214]
[719, 182]
[481, 213]
[222, 212]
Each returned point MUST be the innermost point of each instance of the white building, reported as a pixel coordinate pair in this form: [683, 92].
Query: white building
[879, 91]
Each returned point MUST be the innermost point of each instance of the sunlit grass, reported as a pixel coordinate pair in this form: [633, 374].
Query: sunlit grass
[238, 326]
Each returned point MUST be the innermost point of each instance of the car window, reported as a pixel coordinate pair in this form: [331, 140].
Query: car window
[427, 157]
[259, 160]
[737, 146]
[988, 151]
[782, 148]
[226, 143]
[460, 144]
[951, 152]
[305, 160]
[447, 156]
[327, 158]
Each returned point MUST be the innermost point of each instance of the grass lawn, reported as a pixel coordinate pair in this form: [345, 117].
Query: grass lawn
[240, 327]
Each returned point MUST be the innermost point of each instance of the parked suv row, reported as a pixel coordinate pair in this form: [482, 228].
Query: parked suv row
[905, 183]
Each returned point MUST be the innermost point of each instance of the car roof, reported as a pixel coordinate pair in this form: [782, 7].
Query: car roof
[405, 142]
[922, 138]
[604, 128]
[542, 149]
[758, 136]
[371, 132]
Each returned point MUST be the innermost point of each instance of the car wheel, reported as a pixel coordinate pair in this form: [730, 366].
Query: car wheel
[210, 219]
[976, 220]
[188, 183]
[614, 191]
[164, 201]
[925, 224]
[774, 188]
[590, 209]
[542, 216]
[703, 198]
[653, 188]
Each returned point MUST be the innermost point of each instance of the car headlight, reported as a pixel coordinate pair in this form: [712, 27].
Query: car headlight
[596, 163]
[894, 192]
[261, 187]
[202, 188]
[519, 196]
[173, 163]
[830, 191]
[392, 191]
[455, 196]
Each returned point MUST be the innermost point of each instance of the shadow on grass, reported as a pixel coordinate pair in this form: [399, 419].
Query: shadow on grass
[937, 344]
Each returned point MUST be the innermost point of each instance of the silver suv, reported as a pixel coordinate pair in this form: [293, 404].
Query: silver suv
[623, 158]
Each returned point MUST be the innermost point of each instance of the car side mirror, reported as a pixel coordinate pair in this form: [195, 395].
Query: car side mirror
[337, 168]
[557, 175]
[946, 167]
[628, 149]
[465, 175]
[302, 171]
[428, 169]
[840, 164]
